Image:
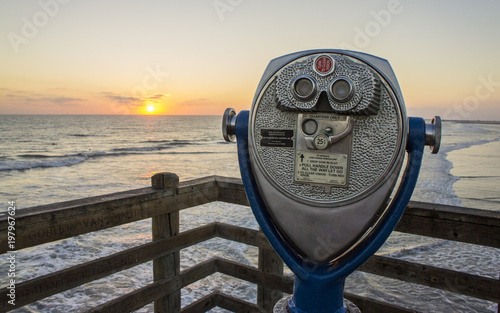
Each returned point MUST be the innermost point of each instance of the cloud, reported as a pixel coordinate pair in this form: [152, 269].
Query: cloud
[54, 100]
[155, 98]
[124, 99]
[132, 101]
[20, 96]
[40, 101]
[199, 101]
[63, 100]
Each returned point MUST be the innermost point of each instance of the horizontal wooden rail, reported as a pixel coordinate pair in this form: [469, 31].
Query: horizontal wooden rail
[379, 265]
[43, 224]
[463, 283]
[50, 284]
[368, 305]
[203, 304]
[141, 297]
[253, 275]
[218, 299]
[234, 304]
[147, 294]
[481, 227]
[472, 285]
[285, 284]
[47, 223]
[469, 225]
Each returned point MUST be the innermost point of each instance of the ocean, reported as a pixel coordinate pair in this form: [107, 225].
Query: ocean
[52, 158]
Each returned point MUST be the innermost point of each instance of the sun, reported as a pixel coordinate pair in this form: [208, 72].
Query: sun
[150, 108]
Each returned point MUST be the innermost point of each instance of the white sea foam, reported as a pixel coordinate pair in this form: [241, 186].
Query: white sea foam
[31, 164]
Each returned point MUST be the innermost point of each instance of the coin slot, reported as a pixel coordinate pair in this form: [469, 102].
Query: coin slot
[309, 127]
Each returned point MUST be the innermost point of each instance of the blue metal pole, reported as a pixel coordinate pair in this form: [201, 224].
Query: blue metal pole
[317, 295]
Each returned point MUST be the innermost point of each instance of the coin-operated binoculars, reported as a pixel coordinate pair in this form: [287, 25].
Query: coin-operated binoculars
[320, 154]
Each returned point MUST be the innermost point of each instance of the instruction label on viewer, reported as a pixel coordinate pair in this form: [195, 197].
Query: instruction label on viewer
[321, 168]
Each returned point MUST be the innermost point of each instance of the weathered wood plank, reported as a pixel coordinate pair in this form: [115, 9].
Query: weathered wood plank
[38, 225]
[47, 285]
[469, 228]
[231, 182]
[253, 275]
[445, 279]
[269, 262]
[469, 225]
[166, 226]
[196, 184]
[367, 305]
[235, 305]
[285, 284]
[456, 213]
[243, 235]
[57, 221]
[47, 223]
[231, 190]
[472, 285]
[201, 305]
[147, 294]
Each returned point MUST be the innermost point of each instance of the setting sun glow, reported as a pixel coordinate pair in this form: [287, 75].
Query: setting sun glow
[150, 108]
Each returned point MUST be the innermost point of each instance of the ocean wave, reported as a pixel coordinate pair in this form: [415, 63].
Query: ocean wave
[467, 144]
[21, 165]
[33, 161]
[197, 152]
[131, 149]
[454, 139]
[34, 156]
[494, 200]
[174, 142]
[476, 177]
[91, 154]
[157, 141]
[415, 250]
[162, 145]
[47, 161]
[81, 135]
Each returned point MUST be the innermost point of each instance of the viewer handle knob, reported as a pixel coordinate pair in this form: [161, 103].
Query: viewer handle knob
[229, 125]
[433, 134]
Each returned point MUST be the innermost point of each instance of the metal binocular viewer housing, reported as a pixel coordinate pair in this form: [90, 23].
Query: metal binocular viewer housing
[321, 154]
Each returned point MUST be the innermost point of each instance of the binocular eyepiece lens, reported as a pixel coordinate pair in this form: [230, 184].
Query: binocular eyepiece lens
[341, 90]
[304, 88]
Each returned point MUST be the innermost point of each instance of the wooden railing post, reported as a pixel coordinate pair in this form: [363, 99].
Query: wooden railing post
[164, 226]
[269, 262]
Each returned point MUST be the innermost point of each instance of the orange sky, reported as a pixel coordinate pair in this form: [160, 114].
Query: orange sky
[118, 57]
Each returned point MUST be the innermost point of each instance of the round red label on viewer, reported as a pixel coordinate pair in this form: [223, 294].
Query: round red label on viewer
[323, 64]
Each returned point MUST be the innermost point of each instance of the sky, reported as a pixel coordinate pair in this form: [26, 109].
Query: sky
[202, 56]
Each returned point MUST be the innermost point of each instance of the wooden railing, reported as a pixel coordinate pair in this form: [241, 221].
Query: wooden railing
[163, 201]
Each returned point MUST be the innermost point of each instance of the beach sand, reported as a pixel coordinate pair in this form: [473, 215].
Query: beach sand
[478, 169]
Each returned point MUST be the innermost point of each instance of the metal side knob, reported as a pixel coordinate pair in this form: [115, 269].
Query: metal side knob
[433, 134]
[229, 125]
